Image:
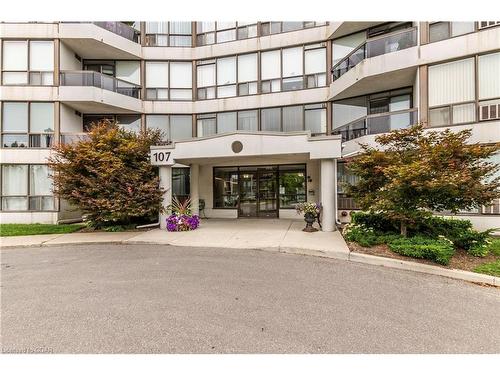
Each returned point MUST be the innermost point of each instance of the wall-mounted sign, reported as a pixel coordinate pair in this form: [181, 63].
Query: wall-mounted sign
[161, 157]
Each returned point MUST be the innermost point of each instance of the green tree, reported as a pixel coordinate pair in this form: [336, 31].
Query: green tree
[108, 175]
[413, 172]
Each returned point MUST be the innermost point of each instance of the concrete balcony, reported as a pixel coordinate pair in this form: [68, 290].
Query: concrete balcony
[484, 132]
[100, 40]
[379, 64]
[92, 92]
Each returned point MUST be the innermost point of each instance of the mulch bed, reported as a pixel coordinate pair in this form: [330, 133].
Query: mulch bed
[460, 260]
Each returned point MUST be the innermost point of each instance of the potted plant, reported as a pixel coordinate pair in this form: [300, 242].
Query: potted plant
[181, 218]
[311, 213]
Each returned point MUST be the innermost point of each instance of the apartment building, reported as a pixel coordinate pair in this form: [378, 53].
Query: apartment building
[258, 116]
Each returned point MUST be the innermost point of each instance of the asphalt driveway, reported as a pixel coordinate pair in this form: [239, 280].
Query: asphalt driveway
[165, 299]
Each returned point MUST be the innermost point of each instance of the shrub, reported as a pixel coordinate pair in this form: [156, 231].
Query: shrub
[438, 250]
[366, 236]
[108, 176]
[377, 221]
[361, 234]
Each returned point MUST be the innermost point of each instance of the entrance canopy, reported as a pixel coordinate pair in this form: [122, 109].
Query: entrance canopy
[245, 145]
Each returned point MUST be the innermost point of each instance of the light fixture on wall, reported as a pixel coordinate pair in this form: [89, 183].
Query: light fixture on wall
[309, 179]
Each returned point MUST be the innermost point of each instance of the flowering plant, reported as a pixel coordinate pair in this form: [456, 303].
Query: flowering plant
[181, 219]
[181, 223]
[308, 208]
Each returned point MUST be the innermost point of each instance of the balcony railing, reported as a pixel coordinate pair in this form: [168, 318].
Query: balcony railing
[377, 124]
[99, 80]
[69, 138]
[120, 28]
[375, 47]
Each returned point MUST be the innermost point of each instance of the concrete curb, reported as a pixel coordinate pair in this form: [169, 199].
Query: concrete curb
[424, 268]
[340, 255]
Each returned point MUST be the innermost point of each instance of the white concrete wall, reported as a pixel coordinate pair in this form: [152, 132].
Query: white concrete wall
[28, 217]
[70, 121]
[67, 59]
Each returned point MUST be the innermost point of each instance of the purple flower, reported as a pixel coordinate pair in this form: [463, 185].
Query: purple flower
[179, 223]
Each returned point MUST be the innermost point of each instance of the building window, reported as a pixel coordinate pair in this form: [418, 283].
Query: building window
[293, 68]
[489, 86]
[292, 185]
[207, 124]
[28, 62]
[310, 117]
[275, 27]
[27, 124]
[181, 183]
[445, 30]
[452, 93]
[226, 187]
[160, 85]
[220, 32]
[26, 188]
[168, 34]
[227, 77]
[173, 127]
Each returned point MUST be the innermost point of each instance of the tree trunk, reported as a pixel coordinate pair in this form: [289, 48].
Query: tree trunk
[404, 229]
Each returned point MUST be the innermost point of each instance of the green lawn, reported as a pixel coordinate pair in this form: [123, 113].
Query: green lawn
[495, 246]
[492, 268]
[31, 229]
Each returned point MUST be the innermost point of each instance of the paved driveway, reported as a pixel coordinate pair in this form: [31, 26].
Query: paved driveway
[164, 299]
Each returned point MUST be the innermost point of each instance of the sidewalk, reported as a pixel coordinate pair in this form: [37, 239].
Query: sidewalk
[284, 236]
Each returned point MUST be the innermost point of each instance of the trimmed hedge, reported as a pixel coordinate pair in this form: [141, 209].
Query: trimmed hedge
[460, 232]
[437, 250]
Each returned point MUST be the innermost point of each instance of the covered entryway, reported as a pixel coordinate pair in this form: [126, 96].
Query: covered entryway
[254, 175]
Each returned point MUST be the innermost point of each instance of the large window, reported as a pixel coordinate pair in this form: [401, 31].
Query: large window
[226, 187]
[292, 185]
[489, 86]
[276, 27]
[174, 127]
[220, 32]
[27, 124]
[169, 80]
[452, 93]
[28, 62]
[293, 68]
[173, 34]
[310, 117]
[26, 188]
[228, 76]
[445, 30]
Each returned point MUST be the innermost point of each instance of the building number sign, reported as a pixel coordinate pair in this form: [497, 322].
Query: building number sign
[159, 157]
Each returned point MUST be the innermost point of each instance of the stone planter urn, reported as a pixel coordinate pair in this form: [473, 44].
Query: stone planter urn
[309, 219]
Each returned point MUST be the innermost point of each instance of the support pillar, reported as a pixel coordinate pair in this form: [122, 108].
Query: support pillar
[194, 188]
[165, 172]
[328, 191]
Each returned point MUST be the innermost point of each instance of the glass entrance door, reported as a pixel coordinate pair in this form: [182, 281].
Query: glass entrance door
[267, 197]
[248, 194]
[258, 192]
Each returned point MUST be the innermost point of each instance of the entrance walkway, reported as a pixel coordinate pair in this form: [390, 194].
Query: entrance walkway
[265, 234]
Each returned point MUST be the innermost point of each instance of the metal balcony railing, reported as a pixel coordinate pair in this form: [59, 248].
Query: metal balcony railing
[69, 138]
[99, 80]
[120, 28]
[377, 124]
[375, 47]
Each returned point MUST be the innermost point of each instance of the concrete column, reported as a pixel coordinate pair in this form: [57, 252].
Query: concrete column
[194, 188]
[165, 173]
[328, 191]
